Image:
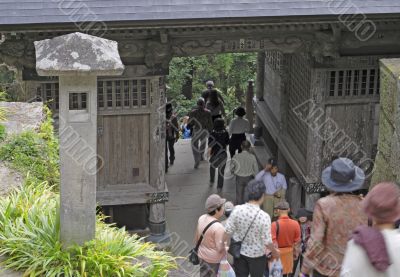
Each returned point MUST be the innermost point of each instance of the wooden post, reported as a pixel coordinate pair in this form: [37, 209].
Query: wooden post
[249, 104]
[259, 92]
[157, 220]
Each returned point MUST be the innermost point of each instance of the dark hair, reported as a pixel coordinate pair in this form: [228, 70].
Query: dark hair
[245, 145]
[240, 111]
[168, 110]
[228, 213]
[219, 124]
[200, 102]
[215, 211]
[272, 161]
[255, 190]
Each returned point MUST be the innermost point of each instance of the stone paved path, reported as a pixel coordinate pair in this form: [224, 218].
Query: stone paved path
[188, 191]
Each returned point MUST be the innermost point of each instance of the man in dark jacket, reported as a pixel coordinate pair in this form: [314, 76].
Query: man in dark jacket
[201, 121]
[171, 135]
[206, 93]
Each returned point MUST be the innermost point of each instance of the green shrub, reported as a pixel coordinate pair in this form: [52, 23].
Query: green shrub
[36, 153]
[29, 237]
[3, 133]
[30, 226]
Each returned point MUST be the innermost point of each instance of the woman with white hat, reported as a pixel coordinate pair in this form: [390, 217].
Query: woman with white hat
[211, 234]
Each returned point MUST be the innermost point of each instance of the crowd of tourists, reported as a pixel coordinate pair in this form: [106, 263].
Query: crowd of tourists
[347, 234]
[205, 124]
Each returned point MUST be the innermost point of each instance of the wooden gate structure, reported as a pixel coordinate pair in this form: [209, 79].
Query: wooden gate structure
[318, 78]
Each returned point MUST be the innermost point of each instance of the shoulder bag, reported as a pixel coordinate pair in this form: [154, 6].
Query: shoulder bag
[236, 246]
[193, 256]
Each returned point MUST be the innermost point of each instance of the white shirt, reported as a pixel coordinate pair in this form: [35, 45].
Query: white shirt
[239, 125]
[357, 264]
[259, 234]
[272, 183]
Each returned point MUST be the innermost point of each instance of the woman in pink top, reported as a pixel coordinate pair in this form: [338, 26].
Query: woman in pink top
[212, 248]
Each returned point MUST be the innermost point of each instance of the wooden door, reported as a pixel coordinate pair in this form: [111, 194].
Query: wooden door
[123, 144]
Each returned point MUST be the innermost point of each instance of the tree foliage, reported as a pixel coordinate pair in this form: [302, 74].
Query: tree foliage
[230, 73]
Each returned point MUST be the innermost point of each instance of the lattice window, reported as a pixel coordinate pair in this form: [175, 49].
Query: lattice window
[299, 74]
[353, 83]
[111, 94]
[78, 101]
[49, 94]
[123, 94]
[274, 59]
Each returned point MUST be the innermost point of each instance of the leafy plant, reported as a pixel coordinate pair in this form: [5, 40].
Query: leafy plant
[3, 133]
[36, 153]
[30, 224]
[29, 237]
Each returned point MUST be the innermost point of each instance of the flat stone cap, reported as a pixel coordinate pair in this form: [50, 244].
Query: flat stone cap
[78, 53]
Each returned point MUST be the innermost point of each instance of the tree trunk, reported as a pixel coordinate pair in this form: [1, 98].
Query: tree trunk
[187, 88]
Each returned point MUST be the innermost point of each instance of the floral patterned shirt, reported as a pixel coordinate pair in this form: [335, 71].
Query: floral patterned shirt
[335, 218]
[259, 235]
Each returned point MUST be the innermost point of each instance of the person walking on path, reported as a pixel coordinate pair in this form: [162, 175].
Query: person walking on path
[252, 226]
[218, 142]
[336, 216]
[215, 105]
[212, 248]
[374, 251]
[238, 129]
[304, 218]
[201, 122]
[244, 166]
[286, 235]
[172, 135]
[206, 93]
[275, 186]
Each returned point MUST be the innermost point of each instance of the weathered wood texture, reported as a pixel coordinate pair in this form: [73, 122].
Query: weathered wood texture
[249, 104]
[157, 151]
[124, 145]
[273, 82]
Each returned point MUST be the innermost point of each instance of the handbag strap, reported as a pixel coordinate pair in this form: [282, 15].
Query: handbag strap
[248, 229]
[202, 234]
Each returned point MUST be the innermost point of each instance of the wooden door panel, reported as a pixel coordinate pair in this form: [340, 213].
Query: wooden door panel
[356, 128]
[123, 143]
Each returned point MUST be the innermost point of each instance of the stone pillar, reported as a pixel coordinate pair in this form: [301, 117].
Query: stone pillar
[387, 161]
[249, 104]
[78, 179]
[78, 59]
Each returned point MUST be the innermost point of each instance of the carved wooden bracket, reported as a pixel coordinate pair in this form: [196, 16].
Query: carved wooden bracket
[157, 54]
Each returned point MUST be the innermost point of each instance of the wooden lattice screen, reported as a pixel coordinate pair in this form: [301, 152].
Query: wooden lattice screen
[113, 95]
[123, 94]
[299, 87]
[274, 59]
[353, 83]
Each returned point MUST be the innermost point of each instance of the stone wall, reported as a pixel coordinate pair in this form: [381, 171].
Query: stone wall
[387, 162]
